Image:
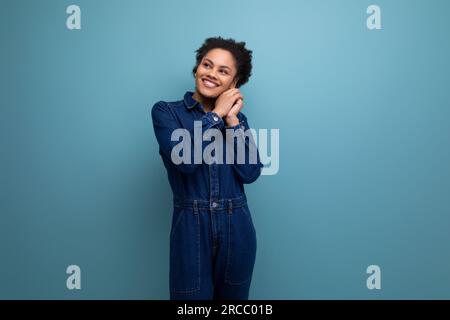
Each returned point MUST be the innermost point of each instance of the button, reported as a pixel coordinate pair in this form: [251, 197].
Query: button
[216, 118]
[214, 204]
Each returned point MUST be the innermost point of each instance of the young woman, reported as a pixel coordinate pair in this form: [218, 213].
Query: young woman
[212, 237]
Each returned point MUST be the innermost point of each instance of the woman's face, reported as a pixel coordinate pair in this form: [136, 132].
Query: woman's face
[217, 66]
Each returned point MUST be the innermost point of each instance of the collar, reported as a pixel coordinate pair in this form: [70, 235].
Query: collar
[189, 102]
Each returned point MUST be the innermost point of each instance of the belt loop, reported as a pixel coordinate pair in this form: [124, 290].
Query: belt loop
[230, 206]
[195, 207]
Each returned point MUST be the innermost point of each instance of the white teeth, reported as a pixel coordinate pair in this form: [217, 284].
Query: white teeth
[209, 84]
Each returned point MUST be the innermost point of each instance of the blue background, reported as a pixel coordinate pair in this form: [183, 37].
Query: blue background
[364, 125]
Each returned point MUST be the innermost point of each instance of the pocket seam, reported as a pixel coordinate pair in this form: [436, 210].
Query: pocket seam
[230, 251]
[190, 290]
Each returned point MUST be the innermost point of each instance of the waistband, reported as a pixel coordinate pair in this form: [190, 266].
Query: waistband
[218, 204]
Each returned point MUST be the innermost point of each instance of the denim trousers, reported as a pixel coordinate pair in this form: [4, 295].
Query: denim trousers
[212, 249]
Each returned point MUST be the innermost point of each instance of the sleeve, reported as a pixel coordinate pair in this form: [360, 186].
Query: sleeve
[164, 124]
[247, 171]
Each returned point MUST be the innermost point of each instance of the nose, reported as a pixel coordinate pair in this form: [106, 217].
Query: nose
[212, 75]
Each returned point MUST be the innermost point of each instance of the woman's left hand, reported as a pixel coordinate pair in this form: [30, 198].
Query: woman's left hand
[231, 118]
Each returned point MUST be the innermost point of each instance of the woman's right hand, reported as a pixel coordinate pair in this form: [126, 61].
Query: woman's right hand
[226, 101]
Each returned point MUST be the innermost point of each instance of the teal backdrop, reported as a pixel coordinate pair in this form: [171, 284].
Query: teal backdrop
[364, 120]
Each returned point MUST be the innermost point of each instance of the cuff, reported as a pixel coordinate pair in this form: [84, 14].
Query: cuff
[214, 120]
[238, 130]
[240, 125]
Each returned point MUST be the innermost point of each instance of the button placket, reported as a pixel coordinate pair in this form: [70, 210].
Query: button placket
[214, 185]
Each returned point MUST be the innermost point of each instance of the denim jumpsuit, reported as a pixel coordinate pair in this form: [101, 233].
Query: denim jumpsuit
[212, 237]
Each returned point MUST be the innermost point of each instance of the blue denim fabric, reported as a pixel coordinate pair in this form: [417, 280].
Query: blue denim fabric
[212, 238]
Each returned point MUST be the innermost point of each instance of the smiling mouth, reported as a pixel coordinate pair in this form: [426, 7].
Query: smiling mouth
[209, 84]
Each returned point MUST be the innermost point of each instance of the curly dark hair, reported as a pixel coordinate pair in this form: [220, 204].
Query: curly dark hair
[242, 56]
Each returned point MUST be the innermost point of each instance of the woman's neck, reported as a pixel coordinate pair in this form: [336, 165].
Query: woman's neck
[207, 103]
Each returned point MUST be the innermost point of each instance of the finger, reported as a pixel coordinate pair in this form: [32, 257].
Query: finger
[233, 111]
[241, 104]
[238, 96]
[232, 91]
[237, 107]
[236, 93]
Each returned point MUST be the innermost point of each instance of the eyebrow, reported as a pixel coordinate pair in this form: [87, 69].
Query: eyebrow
[220, 66]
